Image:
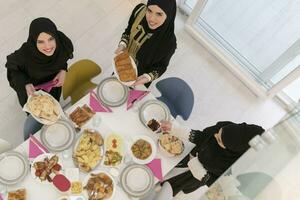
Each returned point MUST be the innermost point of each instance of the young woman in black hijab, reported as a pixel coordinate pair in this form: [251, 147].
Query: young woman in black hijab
[217, 148]
[150, 39]
[42, 58]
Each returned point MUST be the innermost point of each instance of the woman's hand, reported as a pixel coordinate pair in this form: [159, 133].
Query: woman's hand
[120, 49]
[60, 78]
[165, 126]
[141, 80]
[192, 156]
[30, 89]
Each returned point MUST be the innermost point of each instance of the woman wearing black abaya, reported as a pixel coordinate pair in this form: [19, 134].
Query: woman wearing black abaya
[217, 148]
[150, 39]
[41, 59]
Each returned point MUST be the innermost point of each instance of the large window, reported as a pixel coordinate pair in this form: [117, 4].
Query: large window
[261, 38]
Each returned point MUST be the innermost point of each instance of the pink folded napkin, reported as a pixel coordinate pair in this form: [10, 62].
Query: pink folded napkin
[46, 86]
[35, 147]
[135, 95]
[1, 197]
[96, 105]
[155, 166]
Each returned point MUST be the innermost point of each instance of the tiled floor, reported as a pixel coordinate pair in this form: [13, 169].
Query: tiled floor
[95, 27]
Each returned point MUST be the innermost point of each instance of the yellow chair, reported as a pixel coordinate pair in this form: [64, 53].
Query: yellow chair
[78, 79]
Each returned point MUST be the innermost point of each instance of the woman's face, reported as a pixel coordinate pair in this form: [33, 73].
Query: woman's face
[219, 138]
[46, 44]
[155, 16]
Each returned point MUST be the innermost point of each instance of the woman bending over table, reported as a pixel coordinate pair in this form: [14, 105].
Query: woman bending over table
[42, 58]
[217, 148]
[150, 39]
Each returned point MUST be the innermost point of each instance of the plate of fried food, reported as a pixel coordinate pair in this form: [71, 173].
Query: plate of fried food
[99, 185]
[45, 166]
[125, 68]
[19, 194]
[81, 115]
[142, 149]
[114, 150]
[170, 145]
[88, 150]
[43, 107]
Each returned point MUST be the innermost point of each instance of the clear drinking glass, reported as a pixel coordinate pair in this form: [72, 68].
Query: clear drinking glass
[3, 191]
[66, 153]
[96, 121]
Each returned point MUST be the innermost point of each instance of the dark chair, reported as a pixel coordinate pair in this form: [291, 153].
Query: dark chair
[177, 95]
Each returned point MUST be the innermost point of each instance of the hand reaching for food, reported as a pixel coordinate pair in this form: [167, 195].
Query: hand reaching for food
[141, 80]
[165, 126]
[60, 78]
[120, 49]
[30, 89]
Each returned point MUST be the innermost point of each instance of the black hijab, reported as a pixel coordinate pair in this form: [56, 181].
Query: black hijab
[37, 66]
[235, 138]
[163, 39]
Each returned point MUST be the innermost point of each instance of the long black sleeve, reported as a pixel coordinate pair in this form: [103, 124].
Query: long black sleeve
[160, 67]
[16, 72]
[126, 33]
[17, 77]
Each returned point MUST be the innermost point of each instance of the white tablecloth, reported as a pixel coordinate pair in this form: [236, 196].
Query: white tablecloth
[120, 121]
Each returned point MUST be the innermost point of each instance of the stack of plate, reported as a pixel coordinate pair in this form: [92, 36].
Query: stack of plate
[111, 92]
[129, 182]
[13, 168]
[154, 109]
[59, 136]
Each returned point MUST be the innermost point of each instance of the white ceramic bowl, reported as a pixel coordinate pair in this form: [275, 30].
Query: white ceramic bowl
[153, 147]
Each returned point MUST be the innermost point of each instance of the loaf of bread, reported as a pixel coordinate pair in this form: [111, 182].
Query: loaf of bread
[124, 67]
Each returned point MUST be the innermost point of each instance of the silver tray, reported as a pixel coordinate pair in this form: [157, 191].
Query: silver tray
[154, 109]
[59, 136]
[111, 92]
[137, 188]
[13, 167]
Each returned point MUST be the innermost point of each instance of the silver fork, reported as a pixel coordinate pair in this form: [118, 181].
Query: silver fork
[94, 194]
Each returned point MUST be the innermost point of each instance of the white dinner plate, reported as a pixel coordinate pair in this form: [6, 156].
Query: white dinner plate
[41, 158]
[111, 92]
[153, 109]
[129, 183]
[153, 147]
[59, 136]
[128, 83]
[13, 167]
